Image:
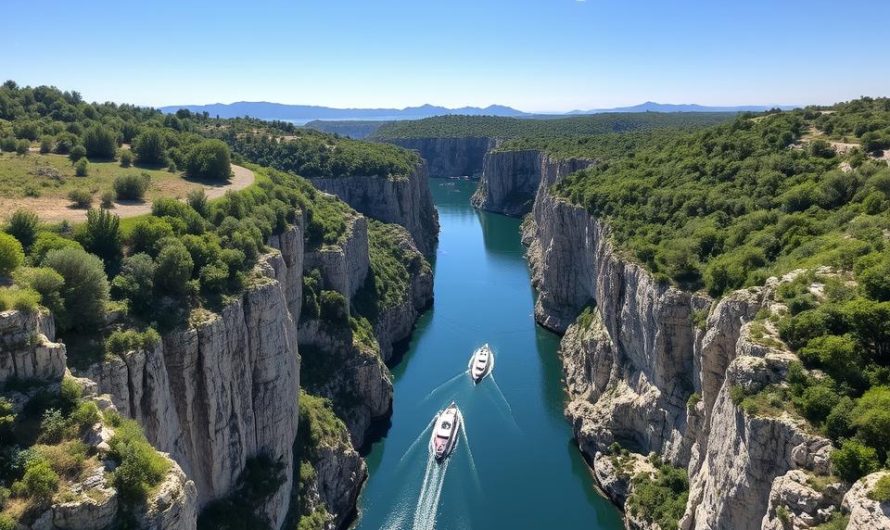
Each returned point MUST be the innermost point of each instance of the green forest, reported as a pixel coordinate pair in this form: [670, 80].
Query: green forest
[459, 126]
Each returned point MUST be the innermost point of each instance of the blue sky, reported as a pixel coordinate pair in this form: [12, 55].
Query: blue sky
[536, 55]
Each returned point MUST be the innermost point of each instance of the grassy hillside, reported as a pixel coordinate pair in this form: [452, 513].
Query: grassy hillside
[499, 127]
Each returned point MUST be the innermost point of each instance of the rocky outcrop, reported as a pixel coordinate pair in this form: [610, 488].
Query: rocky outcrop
[27, 350]
[224, 389]
[344, 267]
[405, 201]
[449, 157]
[510, 179]
[865, 512]
[800, 500]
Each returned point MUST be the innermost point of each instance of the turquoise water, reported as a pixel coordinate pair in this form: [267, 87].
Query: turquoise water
[516, 467]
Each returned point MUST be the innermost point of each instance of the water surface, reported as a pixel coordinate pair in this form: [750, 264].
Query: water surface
[516, 467]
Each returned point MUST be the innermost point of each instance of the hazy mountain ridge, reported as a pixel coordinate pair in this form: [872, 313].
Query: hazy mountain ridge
[305, 113]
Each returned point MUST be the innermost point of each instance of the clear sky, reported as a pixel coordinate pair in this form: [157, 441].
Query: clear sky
[536, 55]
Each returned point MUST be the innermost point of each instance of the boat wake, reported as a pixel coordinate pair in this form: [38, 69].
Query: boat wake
[444, 386]
[424, 435]
[430, 493]
[504, 407]
[473, 470]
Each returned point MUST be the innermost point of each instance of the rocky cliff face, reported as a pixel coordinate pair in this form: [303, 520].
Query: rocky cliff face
[450, 157]
[224, 389]
[510, 179]
[28, 350]
[653, 368]
[404, 201]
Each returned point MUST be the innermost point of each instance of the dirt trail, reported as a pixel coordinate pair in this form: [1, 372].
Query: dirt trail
[55, 209]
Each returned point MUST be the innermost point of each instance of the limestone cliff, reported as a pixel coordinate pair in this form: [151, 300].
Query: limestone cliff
[510, 179]
[405, 201]
[449, 157]
[89, 501]
[224, 389]
[659, 370]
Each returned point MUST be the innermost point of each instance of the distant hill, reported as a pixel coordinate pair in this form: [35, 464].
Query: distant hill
[651, 106]
[301, 114]
[358, 129]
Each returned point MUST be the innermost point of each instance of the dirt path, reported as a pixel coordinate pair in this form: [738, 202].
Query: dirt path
[56, 209]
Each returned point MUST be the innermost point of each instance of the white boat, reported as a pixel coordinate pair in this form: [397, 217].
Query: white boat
[445, 432]
[481, 363]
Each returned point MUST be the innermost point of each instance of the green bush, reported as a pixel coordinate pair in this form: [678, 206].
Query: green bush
[53, 426]
[46, 144]
[197, 199]
[106, 201]
[124, 341]
[174, 267]
[854, 460]
[85, 290]
[871, 419]
[209, 160]
[817, 402]
[21, 299]
[147, 233]
[132, 187]
[881, 490]
[82, 168]
[7, 144]
[135, 283]
[140, 466]
[23, 225]
[100, 143]
[39, 482]
[150, 147]
[47, 241]
[22, 147]
[334, 309]
[660, 499]
[126, 157]
[80, 198]
[65, 143]
[77, 153]
[11, 254]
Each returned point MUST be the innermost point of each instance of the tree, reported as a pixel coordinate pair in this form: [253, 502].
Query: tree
[11, 254]
[23, 226]
[174, 267]
[100, 143]
[100, 235]
[854, 460]
[149, 147]
[875, 280]
[136, 283]
[147, 233]
[46, 282]
[210, 160]
[871, 419]
[85, 290]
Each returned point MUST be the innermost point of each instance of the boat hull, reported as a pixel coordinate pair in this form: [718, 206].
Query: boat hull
[481, 364]
[446, 431]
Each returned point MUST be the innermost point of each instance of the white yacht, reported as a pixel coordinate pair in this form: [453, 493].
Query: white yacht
[481, 363]
[445, 432]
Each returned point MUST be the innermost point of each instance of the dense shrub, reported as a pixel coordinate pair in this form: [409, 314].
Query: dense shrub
[174, 267]
[854, 460]
[82, 168]
[100, 143]
[197, 199]
[22, 147]
[65, 143]
[77, 153]
[7, 144]
[22, 299]
[140, 466]
[45, 282]
[39, 482]
[871, 419]
[209, 160]
[150, 147]
[881, 490]
[85, 290]
[124, 341]
[126, 158]
[146, 233]
[132, 187]
[47, 241]
[660, 499]
[100, 235]
[334, 309]
[23, 225]
[46, 144]
[135, 283]
[11, 254]
[80, 198]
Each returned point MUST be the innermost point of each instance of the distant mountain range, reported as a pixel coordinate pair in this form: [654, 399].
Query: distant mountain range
[651, 106]
[301, 114]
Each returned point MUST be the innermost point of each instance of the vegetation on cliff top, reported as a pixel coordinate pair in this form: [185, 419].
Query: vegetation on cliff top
[460, 126]
[727, 206]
